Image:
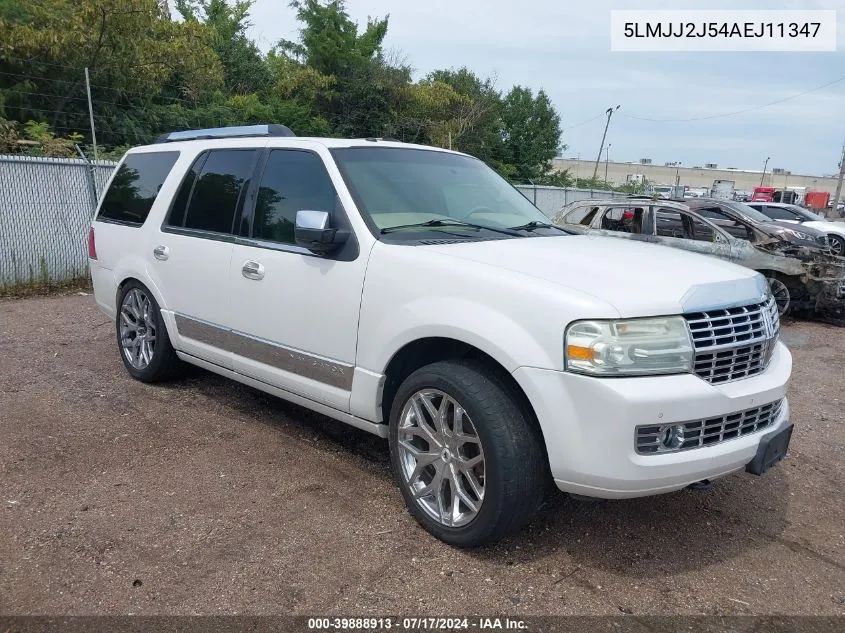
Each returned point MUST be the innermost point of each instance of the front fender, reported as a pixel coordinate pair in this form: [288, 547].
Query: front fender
[471, 322]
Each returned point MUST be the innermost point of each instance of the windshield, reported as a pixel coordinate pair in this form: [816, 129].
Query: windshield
[398, 187]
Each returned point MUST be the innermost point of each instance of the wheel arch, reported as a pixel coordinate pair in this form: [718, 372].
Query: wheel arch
[125, 277]
[425, 351]
[128, 277]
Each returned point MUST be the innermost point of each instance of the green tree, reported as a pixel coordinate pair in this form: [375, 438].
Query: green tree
[531, 133]
[134, 52]
[476, 122]
[365, 85]
[244, 70]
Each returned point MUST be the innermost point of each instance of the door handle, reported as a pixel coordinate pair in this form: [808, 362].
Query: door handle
[253, 270]
[161, 252]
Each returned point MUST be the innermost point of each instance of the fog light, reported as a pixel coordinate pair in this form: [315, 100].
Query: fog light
[672, 437]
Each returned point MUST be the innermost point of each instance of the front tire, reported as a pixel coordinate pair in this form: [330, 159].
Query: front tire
[142, 338]
[837, 244]
[782, 295]
[469, 463]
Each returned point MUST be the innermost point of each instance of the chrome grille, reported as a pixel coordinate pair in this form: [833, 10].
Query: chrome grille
[698, 433]
[734, 343]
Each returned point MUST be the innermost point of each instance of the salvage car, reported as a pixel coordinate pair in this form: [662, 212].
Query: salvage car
[412, 292]
[745, 222]
[802, 275]
[793, 214]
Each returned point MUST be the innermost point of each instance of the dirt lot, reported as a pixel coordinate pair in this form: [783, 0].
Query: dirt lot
[208, 497]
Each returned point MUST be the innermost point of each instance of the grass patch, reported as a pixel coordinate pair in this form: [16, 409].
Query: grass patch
[39, 287]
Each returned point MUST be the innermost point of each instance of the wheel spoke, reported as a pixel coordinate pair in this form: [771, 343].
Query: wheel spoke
[468, 463]
[125, 320]
[472, 479]
[133, 305]
[422, 424]
[434, 413]
[461, 494]
[424, 458]
[432, 487]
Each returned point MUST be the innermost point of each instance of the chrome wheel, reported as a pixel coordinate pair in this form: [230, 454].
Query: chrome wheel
[441, 457]
[781, 294]
[137, 328]
[837, 244]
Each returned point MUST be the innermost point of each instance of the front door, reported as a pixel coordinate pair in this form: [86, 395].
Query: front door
[295, 314]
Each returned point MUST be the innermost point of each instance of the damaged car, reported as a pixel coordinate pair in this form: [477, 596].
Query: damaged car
[801, 272]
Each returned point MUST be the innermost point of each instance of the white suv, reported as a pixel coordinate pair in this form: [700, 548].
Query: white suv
[413, 293]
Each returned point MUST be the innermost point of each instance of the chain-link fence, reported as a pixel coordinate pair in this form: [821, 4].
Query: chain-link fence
[46, 206]
[550, 200]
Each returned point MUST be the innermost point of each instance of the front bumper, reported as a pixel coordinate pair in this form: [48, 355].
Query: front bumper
[589, 426]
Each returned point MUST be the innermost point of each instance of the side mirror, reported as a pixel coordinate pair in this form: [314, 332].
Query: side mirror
[312, 231]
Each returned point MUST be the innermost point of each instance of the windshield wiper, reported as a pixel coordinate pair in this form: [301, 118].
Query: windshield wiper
[447, 222]
[534, 224]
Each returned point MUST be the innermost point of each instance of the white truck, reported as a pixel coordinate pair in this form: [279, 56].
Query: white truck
[413, 293]
[723, 189]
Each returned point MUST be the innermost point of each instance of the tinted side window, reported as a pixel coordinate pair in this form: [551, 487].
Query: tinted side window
[292, 181]
[779, 213]
[218, 190]
[135, 187]
[183, 195]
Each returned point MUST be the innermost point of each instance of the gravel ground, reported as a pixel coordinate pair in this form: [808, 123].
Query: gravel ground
[204, 496]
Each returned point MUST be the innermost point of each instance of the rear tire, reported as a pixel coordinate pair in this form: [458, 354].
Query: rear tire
[837, 244]
[142, 339]
[473, 469]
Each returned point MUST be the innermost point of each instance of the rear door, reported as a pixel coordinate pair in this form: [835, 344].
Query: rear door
[192, 250]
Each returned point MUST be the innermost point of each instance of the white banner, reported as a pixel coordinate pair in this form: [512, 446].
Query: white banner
[789, 31]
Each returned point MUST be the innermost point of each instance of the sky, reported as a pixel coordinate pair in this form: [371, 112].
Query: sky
[563, 47]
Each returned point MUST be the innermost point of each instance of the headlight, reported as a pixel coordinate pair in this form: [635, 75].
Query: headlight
[799, 235]
[631, 347]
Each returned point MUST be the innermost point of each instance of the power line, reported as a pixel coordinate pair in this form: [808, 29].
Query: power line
[59, 96]
[727, 114]
[121, 91]
[598, 116]
[64, 112]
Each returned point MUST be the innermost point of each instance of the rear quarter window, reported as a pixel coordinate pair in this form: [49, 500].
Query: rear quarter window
[134, 188]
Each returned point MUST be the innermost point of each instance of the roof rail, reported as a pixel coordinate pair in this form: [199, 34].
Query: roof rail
[239, 131]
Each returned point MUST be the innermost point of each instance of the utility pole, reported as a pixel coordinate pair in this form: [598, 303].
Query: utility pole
[606, 161]
[609, 113]
[834, 210]
[91, 112]
[577, 168]
[766, 164]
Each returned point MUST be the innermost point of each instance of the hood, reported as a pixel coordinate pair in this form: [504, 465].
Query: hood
[637, 279]
[824, 227]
